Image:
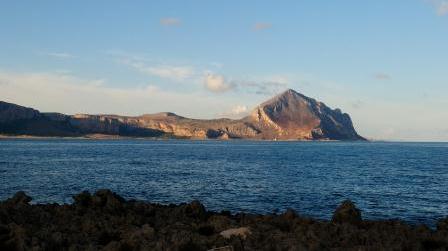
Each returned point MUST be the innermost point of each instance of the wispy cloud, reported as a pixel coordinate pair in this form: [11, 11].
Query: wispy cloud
[176, 73]
[262, 26]
[71, 94]
[382, 76]
[170, 21]
[211, 80]
[59, 55]
[441, 6]
[218, 83]
[262, 87]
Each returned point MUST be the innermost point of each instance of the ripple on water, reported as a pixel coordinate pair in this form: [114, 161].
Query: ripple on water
[386, 180]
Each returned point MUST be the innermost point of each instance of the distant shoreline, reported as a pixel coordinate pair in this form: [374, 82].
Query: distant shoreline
[118, 137]
[286, 116]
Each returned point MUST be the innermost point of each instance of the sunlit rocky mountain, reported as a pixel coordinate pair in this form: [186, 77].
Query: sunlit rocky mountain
[287, 116]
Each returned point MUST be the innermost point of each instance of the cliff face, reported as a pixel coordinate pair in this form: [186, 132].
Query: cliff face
[288, 116]
[292, 115]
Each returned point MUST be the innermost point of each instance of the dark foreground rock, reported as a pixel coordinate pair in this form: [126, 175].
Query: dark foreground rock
[105, 221]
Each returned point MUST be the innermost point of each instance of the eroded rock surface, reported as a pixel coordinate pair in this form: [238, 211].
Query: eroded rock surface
[105, 221]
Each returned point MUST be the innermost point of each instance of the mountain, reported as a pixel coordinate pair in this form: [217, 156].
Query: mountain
[287, 116]
[292, 115]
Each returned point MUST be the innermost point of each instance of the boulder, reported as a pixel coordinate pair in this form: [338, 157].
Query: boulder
[290, 214]
[20, 198]
[242, 232]
[107, 199]
[83, 199]
[195, 209]
[347, 213]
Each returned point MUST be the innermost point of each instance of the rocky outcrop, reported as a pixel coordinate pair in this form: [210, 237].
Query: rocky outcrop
[292, 115]
[288, 116]
[347, 213]
[106, 221]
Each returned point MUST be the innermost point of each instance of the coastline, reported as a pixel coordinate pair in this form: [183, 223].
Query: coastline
[106, 221]
[86, 137]
[118, 137]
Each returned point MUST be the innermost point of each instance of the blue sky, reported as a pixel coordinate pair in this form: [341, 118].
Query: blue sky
[383, 62]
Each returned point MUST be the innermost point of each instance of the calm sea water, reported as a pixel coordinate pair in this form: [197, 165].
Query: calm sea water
[386, 180]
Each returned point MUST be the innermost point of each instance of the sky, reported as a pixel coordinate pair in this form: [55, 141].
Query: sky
[383, 62]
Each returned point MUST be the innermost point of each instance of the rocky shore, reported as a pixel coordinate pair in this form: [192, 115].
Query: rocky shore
[105, 221]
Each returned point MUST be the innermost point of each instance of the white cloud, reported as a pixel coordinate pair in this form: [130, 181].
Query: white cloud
[170, 21]
[212, 82]
[262, 26]
[441, 6]
[217, 83]
[238, 111]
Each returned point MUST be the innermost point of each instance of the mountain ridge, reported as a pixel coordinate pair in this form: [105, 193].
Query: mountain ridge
[287, 116]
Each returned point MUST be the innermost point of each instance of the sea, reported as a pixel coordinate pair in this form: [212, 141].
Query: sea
[386, 180]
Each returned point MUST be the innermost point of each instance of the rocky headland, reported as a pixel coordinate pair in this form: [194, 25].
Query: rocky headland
[287, 116]
[106, 221]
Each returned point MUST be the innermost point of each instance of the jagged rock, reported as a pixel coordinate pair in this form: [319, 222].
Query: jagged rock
[347, 213]
[290, 214]
[107, 222]
[13, 237]
[195, 209]
[83, 199]
[4, 236]
[220, 222]
[20, 198]
[442, 225]
[108, 199]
